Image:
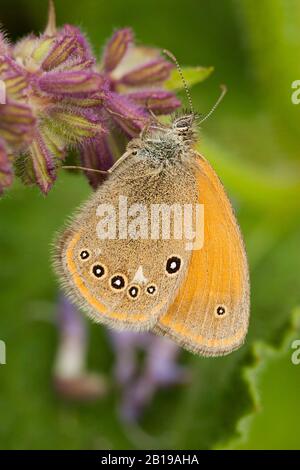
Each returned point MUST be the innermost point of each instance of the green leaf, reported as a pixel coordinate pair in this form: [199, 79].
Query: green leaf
[192, 75]
[263, 358]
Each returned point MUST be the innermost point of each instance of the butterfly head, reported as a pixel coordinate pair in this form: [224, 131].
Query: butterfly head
[166, 142]
[185, 128]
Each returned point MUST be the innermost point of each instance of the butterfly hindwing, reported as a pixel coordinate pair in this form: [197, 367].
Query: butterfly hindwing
[209, 315]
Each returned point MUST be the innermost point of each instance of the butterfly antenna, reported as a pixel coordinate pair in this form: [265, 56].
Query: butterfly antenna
[185, 85]
[223, 93]
[71, 167]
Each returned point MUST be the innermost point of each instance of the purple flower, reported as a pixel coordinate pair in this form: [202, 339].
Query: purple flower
[16, 118]
[160, 369]
[57, 97]
[52, 79]
[70, 376]
[133, 79]
[60, 76]
[138, 385]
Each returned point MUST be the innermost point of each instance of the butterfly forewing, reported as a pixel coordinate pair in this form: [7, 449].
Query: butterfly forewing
[124, 282]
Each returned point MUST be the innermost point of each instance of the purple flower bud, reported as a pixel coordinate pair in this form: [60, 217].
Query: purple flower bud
[116, 48]
[159, 101]
[81, 64]
[155, 71]
[54, 141]
[16, 124]
[96, 154]
[70, 49]
[60, 53]
[83, 48]
[15, 78]
[75, 124]
[127, 66]
[78, 84]
[43, 165]
[130, 117]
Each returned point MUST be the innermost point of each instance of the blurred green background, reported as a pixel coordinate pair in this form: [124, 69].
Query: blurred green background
[250, 398]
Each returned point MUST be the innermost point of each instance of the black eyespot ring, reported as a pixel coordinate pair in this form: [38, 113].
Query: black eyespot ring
[134, 152]
[99, 270]
[133, 291]
[118, 282]
[151, 289]
[84, 254]
[220, 311]
[173, 265]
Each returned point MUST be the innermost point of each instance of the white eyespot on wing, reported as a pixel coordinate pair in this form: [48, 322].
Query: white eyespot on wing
[139, 276]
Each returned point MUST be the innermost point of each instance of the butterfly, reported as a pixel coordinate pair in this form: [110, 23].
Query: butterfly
[198, 298]
[195, 294]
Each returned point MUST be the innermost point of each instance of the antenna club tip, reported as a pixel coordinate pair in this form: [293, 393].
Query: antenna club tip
[185, 85]
[170, 55]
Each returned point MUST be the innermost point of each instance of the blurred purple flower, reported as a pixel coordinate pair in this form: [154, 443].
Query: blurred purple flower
[71, 380]
[138, 385]
[160, 369]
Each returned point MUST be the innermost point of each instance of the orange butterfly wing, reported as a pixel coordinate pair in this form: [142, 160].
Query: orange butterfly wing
[210, 313]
